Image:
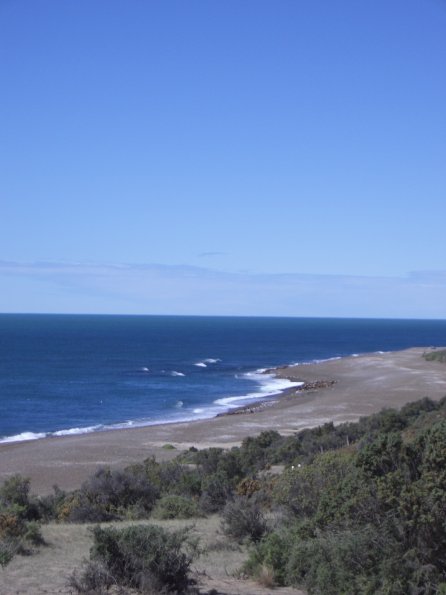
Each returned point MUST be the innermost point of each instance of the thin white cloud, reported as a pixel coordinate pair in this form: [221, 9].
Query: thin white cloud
[183, 289]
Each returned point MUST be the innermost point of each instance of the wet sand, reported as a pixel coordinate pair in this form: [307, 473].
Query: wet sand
[344, 390]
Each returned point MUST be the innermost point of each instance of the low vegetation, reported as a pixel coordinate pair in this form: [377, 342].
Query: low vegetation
[143, 557]
[436, 356]
[358, 508]
[19, 529]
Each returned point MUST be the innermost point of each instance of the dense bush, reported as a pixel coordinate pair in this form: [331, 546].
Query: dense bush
[92, 577]
[15, 494]
[107, 495]
[8, 548]
[18, 528]
[436, 356]
[216, 489]
[371, 520]
[144, 557]
[49, 506]
[176, 507]
[243, 518]
[120, 489]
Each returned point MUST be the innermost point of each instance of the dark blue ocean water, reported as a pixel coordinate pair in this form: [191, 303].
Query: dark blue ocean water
[75, 373]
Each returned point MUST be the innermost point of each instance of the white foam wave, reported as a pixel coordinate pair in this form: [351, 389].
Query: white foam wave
[175, 373]
[198, 410]
[269, 386]
[211, 360]
[327, 359]
[179, 404]
[24, 436]
[200, 365]
[76, 431]
[144, 369]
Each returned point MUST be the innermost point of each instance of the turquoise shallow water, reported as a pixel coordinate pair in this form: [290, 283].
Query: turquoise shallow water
[71, 374]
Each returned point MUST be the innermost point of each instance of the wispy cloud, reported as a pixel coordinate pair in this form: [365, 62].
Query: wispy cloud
[183, 289]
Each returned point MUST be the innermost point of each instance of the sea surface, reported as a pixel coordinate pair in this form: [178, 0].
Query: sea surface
[70, 374]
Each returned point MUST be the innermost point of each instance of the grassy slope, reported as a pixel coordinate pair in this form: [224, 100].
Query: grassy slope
[46, 571]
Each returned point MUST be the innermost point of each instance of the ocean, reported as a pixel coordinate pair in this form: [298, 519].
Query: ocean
[70, 374]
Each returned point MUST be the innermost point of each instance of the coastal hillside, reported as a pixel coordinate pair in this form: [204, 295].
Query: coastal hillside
[353, 508]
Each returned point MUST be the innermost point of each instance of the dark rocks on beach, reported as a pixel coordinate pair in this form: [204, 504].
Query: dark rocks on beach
[253, 408]
[316, 384]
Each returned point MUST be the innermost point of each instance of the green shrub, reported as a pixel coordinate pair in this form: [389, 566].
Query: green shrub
[325, 490]
[108, 495]
[272, 552]
[93, 577]
[208, 459]
[83, 511]
[17, 529]
[113, 489]
[8, 548]
[50, 504]
[169, 477]
[144, 557]
[216, 489]
[15, 491]
[14, 494]
[33, 534]
[435, 356]
[243, 518]
[329, 564]
[11, 524]
[176, 507]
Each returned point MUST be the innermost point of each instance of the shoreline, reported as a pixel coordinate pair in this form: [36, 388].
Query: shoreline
[252, 401]
[335, 390]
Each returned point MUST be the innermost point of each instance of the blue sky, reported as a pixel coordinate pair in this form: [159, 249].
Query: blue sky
[223, 157]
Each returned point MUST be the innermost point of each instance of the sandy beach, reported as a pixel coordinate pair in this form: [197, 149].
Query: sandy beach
[338, 390]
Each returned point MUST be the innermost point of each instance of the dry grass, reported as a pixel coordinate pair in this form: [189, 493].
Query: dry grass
[266, 577]
[47, 569]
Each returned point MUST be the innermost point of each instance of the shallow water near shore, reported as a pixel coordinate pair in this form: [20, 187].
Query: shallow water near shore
[70, 374]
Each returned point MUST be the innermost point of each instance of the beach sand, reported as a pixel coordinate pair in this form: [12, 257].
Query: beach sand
[351, 387]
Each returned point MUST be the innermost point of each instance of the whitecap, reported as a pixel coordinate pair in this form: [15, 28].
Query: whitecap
[179, 404]
[175, 373]
[211, 360]
[144, 369]
[200, 365]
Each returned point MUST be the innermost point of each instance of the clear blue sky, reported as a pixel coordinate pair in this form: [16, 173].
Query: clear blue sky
[223, 157]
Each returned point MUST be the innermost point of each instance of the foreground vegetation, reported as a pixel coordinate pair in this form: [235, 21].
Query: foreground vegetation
[438, 355]
[354, 508]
